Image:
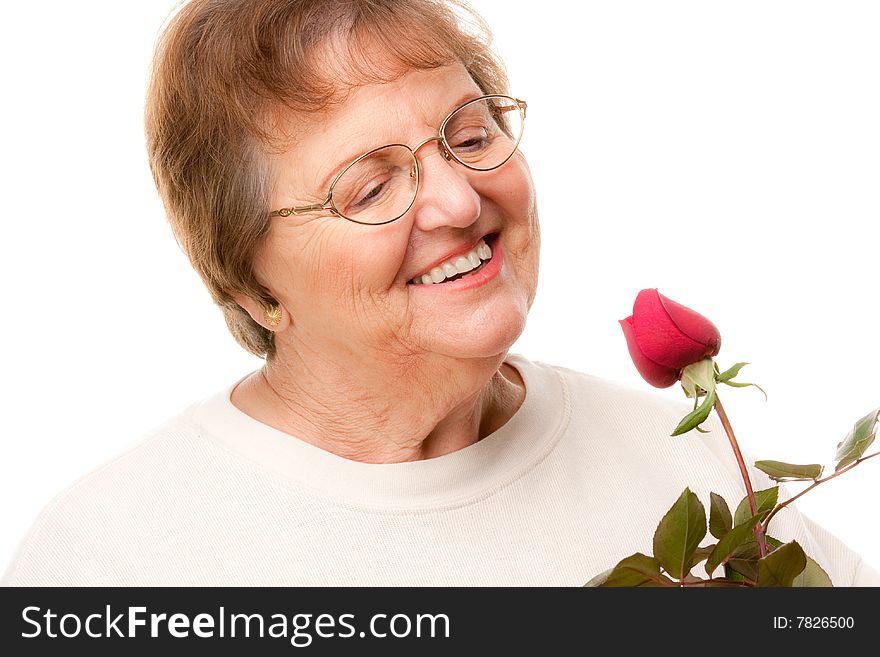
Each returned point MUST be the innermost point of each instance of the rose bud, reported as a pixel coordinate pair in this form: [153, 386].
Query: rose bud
[664, 337]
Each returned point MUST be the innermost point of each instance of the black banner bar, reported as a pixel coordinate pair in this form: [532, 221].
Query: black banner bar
[428, 621]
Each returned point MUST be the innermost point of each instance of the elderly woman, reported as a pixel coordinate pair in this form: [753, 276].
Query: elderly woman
[346, 179]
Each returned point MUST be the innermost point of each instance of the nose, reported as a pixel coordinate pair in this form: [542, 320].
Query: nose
[445, 197]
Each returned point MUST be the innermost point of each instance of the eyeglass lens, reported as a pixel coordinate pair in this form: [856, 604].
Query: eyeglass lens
[381, 186]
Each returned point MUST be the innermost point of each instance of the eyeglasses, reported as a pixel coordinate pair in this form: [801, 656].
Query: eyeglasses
[381, 185]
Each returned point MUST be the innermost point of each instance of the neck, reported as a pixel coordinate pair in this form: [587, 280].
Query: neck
[383, 412]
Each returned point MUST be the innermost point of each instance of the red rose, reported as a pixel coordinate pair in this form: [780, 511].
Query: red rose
[664, 337]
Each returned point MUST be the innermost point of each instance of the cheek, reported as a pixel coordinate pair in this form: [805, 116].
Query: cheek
[517, 199]
[380, 251]
[513, 192]
[332, 266]
[522, 193]
[512, 189]
[297, 262]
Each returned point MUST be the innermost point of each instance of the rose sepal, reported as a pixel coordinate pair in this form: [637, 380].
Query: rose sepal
[697, 380]
[697, 416]
[726, 377]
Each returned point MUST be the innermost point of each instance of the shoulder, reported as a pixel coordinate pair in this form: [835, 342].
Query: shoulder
[621, 436]
[613, 427]
[72, 539]
[584, 381]
[604, 397]
[844, 566]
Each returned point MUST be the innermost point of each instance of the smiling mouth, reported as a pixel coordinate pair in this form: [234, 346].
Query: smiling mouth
[461, 266]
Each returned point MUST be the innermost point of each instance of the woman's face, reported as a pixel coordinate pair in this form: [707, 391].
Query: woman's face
[348, 287]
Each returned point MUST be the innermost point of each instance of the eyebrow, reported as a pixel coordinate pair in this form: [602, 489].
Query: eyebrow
[327, 180]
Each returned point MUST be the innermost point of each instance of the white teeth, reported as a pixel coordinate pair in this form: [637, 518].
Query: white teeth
[458, 265]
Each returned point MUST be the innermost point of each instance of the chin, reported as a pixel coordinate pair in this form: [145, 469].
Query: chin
[484, 335]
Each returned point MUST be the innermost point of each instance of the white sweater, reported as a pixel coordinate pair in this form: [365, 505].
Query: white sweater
[576, 480]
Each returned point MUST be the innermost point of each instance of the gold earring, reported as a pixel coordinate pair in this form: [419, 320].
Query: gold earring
[272, 315]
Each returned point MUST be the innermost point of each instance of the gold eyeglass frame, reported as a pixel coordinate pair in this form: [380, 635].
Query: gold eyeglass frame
[445, 149]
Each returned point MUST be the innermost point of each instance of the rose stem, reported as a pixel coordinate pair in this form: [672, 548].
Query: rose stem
[725, 422]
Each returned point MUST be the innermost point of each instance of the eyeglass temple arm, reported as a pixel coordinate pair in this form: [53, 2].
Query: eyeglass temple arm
[302, 209]
[520, 105]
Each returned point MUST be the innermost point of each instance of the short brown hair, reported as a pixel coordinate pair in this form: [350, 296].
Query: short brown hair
[226, 71]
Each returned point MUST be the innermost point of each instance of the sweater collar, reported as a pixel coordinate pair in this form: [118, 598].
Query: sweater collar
[445, 481]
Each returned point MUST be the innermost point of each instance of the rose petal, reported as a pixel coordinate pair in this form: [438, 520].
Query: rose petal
[693, 325]
[654, 373]
[658, 337]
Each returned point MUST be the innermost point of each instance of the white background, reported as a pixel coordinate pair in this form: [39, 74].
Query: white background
[725, 153]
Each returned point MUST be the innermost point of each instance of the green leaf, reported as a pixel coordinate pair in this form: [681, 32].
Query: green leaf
[725, 584]
[743, 560]
[720, 520]
[765, 500]
[736, 384]
[748, 550]
[734, 575]
[701, 554]
[734, 538]
[697, 416]
[780, 567]
[727, 375]
[851, 448]
[812, 575]
[774, 543]
[779, 471]
[679, 533]
[744, 568]
[636, 570]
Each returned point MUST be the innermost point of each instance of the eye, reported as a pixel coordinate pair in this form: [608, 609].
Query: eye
[469, 140]
[370, 193]
[378, 187]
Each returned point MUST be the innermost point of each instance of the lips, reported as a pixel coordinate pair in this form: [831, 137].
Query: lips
[459, 264]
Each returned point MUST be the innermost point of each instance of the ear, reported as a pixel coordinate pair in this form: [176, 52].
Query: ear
[257, 311]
